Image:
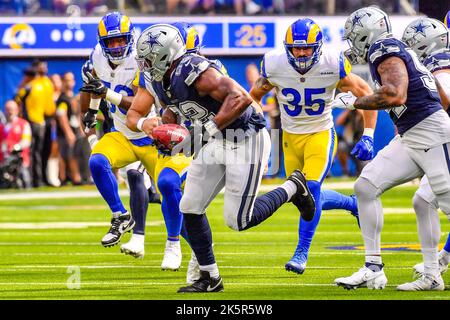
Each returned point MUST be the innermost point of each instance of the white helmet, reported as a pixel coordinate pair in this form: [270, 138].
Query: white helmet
[157, 48]
[362, 28]
[426, 35]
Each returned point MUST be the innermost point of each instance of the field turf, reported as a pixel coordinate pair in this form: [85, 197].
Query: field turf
[44, 241]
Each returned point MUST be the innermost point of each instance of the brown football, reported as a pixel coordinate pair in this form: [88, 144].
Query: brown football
[169, 135]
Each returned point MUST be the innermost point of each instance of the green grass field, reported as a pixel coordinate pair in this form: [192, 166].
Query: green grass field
[43, 240]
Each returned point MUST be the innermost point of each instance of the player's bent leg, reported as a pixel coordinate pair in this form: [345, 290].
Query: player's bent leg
[319, 150]
[200, 237]
[169, 184]
[307, 229]
[138, 204]
[106, 182]
[332, 200]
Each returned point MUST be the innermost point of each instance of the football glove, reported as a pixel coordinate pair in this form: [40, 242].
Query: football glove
[94, 86]
[344, 100]
[85, 69]
[363, 150]
[90, 119]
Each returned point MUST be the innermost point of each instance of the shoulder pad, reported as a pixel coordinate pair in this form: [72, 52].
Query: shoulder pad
[438, 61]
[384, 47]
[190, 68]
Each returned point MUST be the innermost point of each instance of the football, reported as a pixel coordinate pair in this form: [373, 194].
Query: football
[169, 135]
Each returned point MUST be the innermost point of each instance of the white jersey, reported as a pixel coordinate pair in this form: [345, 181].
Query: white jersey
[304, 100]
[119, 80]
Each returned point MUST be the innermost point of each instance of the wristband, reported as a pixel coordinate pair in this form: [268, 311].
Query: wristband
[113, 97]
[94, 104]
[140, 123]
[211, 128]
[368, 132]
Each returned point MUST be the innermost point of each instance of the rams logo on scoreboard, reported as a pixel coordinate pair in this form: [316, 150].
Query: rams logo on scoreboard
[18, 35]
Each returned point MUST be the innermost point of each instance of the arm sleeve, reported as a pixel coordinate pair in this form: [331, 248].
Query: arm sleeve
[345, 66]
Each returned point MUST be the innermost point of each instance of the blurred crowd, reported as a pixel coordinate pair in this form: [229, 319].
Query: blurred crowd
[40, 134]
[201, 7]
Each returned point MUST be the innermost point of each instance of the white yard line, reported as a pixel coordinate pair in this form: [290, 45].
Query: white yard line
[30, 195]
[37, 267]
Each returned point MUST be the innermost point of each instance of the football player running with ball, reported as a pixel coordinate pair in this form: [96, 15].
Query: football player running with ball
[115, 78]
[305, 78]
[429, 39]
[409, 91]
[234, 151]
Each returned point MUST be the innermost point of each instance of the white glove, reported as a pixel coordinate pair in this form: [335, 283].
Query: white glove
[344, 100]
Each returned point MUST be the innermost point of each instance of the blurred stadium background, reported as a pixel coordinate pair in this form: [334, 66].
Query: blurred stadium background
[63, 33]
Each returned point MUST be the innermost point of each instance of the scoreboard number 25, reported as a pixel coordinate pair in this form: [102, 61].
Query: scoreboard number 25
[251, 36]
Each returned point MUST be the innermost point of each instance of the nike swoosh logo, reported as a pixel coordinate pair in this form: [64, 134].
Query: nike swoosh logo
[304, 187]
[209, 289]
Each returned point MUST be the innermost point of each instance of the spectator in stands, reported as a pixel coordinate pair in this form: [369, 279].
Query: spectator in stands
[16, 136]
[31, 96]
[68, 131]
[268, 103]
[50, 156]
[353, 123]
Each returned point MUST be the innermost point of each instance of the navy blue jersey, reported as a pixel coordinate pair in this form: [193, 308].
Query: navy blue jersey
[423, 98]
[438, 61]
[182, 95]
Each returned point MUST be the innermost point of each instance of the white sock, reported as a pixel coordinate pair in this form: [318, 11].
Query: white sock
[138, 238]
[430, 261]
[93, 140]
[429, 230]
[290, 188]
[370, 215]
[374, 259]
[212, 269]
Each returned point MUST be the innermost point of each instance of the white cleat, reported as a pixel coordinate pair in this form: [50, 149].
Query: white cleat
[427, 282]
[133, 248]
[364, 277]
[193, 271]
[172, 256]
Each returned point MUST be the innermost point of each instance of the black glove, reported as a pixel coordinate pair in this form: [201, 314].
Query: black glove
[90, 119]
[94, 86]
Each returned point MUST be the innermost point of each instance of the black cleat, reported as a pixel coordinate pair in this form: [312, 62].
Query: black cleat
[120, 223]
[204, 284]
[302, 199]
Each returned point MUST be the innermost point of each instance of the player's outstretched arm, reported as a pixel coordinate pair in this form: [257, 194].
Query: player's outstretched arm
[261, 87]
[393, 92]
[137, 113]
[235, 100]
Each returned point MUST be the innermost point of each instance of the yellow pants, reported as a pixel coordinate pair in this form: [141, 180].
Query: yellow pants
[312, 153]
[120, 152]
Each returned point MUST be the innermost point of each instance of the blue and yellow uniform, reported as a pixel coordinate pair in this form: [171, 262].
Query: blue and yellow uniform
[305, 87]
